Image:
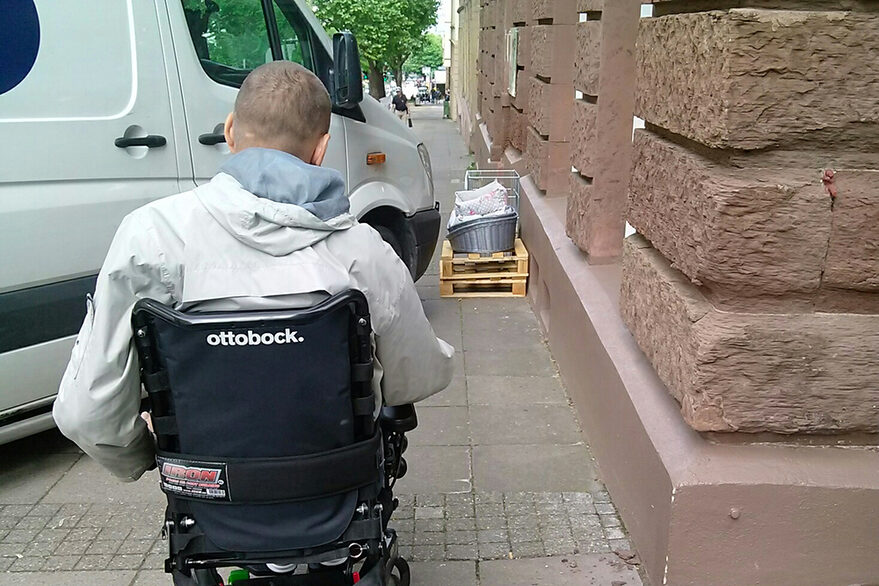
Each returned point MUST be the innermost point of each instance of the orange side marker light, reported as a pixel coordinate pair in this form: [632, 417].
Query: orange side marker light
[376, 158]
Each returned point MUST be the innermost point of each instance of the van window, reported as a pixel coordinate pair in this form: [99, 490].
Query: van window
[293, 33]
[231, 39]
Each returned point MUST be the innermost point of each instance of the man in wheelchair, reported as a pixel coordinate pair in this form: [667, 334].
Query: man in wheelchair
[281, 345]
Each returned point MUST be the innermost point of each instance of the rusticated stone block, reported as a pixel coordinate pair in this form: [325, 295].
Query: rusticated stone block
[580, 201]
[750, 372]
[558, 11]
[590, 5]
[523, 91]
[746, 230]
[498, 90]
[497, 125]
[524, 56]
[551, 50]
[501, 75]
[521, 11]
[549, 163]
[551, 109]
[853, 254]
[588, 57]
[485, 41]
[749, 78]
[583, 138]
[518, 125]
[488, 15]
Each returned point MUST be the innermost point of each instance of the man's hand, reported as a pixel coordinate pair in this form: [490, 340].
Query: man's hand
[149, 420]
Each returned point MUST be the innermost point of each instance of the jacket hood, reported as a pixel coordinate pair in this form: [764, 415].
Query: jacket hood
[275, 202]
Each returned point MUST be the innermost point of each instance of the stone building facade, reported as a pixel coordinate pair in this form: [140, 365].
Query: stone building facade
[725, 357]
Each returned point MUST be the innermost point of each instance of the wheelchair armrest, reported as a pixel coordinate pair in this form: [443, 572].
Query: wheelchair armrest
[400, 418]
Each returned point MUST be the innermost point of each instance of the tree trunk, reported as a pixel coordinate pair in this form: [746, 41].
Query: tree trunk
[376, 80]
[398, 75]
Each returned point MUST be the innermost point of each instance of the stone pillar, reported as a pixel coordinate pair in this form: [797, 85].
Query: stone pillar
[519, 17]
[753, 287]
[465, 98]
[549, 83]
[490, 68]
[602, 125]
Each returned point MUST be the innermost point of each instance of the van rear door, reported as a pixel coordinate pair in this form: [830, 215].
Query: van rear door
[217, 43]
[86, 138]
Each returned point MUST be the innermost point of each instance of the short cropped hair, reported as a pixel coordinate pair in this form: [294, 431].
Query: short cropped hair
[284, 105]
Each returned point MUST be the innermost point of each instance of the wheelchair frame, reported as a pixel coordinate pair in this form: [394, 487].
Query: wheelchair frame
[368, 544]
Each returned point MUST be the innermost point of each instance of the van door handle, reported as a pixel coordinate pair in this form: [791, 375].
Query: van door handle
[212, 138]
[151, 141]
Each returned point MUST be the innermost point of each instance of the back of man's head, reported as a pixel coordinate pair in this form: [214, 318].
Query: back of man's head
[281, 105]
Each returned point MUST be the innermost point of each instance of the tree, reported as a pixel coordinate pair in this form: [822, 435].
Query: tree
[385, 29]
[426, 52]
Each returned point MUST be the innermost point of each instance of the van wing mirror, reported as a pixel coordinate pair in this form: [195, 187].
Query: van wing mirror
[347, 74]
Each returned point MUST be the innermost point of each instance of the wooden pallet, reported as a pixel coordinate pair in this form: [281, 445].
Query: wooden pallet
[502, 274]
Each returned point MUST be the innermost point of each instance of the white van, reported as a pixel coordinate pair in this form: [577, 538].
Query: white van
[108, 104]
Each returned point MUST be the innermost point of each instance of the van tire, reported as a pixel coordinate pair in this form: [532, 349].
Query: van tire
[388, 236]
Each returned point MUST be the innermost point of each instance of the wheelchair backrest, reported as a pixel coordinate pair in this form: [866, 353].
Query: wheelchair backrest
[226, 387]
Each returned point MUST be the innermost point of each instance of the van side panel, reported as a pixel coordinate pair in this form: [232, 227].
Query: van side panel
[98, 77]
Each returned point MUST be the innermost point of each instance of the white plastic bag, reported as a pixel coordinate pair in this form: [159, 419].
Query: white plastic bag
[487, 201]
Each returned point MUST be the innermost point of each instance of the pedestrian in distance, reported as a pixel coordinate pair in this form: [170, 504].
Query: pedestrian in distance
[401, 107]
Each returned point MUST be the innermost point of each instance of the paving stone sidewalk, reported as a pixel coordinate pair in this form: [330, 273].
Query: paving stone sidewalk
[501, 488]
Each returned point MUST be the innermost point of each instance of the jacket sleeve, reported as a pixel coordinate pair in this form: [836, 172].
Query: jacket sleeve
[98, 401]
[415, 363]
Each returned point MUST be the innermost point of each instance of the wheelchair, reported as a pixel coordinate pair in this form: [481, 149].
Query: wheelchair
[268, 446]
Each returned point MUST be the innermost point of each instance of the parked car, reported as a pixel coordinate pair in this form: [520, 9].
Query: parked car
[123, 103]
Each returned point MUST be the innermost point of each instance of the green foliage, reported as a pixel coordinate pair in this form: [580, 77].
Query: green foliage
[427, 51]
[385, 29]
[234, 32]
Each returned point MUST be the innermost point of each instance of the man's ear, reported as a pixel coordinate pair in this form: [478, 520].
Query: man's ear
[320, 151]
[229, 132]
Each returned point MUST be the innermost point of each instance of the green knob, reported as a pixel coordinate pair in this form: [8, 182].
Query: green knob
[237, 575]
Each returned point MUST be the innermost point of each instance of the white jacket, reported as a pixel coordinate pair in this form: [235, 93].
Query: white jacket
[220, 247]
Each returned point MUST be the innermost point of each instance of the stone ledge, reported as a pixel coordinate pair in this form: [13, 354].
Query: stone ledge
[807, 513]
[751, 78]
[750, 372]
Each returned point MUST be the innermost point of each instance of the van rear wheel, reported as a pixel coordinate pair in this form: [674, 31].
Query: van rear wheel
[388, 236]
